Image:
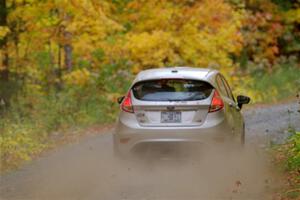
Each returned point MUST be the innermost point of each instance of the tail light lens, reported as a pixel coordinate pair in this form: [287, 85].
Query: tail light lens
[216, 103]
[127, 104]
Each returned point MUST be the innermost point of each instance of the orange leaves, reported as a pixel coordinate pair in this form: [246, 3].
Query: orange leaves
[261, 36]
[213, 15]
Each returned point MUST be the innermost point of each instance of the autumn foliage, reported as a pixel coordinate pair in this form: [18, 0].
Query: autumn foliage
[53, 42]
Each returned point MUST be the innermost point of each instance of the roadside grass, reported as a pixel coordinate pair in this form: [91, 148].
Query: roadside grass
[287, 158]
[27, 128]
[281, 84]
[38, 116]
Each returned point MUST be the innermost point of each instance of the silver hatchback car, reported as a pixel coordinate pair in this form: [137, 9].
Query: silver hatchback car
[179, 104]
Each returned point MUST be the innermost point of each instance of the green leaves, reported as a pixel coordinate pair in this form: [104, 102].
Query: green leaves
[294, 152]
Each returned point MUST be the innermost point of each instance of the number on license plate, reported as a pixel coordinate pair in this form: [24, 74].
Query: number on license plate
[170, 117]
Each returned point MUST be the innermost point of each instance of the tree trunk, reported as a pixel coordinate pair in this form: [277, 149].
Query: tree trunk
[4, 73]
[59, 56]
[68, 50]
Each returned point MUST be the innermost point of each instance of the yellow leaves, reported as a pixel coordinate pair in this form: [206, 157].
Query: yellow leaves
[292, 16]
[79, 77]
[150, 50]
[90, 24]
[152, 15]
[159, 33]
[199, 35]
[4, 30]
[18, 145]
[92, 17]
[209, 45]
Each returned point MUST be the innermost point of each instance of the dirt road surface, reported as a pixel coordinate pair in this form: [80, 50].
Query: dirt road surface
[88, 170]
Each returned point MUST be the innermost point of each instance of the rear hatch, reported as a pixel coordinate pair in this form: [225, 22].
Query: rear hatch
[171, 102]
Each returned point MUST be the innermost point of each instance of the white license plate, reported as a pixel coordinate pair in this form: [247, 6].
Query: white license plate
[170, 117]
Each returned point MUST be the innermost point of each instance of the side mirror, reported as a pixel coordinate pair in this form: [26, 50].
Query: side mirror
[242, 100]
[120, 99]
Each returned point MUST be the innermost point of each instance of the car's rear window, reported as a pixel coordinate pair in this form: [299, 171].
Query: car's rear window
[172, 90]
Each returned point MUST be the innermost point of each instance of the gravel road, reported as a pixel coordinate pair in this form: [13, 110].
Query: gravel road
[87, 170]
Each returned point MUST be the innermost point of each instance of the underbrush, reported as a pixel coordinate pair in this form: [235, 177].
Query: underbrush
[288, 157]
[35, 113]
[26, 126]
[269, 87]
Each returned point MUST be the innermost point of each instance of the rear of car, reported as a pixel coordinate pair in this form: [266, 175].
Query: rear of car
[172, 105]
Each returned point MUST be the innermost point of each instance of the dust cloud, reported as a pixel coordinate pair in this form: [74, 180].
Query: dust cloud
[159, 172]
[89, 171]
[199, 173]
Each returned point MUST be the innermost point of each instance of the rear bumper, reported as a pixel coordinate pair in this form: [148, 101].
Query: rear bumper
[126, 138]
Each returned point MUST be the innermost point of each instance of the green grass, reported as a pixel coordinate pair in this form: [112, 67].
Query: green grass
[27, 125]
[293, 153]
[282, 83]
[287, 157]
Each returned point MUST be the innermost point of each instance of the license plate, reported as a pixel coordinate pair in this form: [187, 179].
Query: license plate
[170, 117]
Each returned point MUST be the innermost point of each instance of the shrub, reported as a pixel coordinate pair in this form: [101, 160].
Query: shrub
[293, 152]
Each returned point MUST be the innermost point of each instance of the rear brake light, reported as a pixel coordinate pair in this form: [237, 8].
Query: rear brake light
[127, 105]
[216, 103]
